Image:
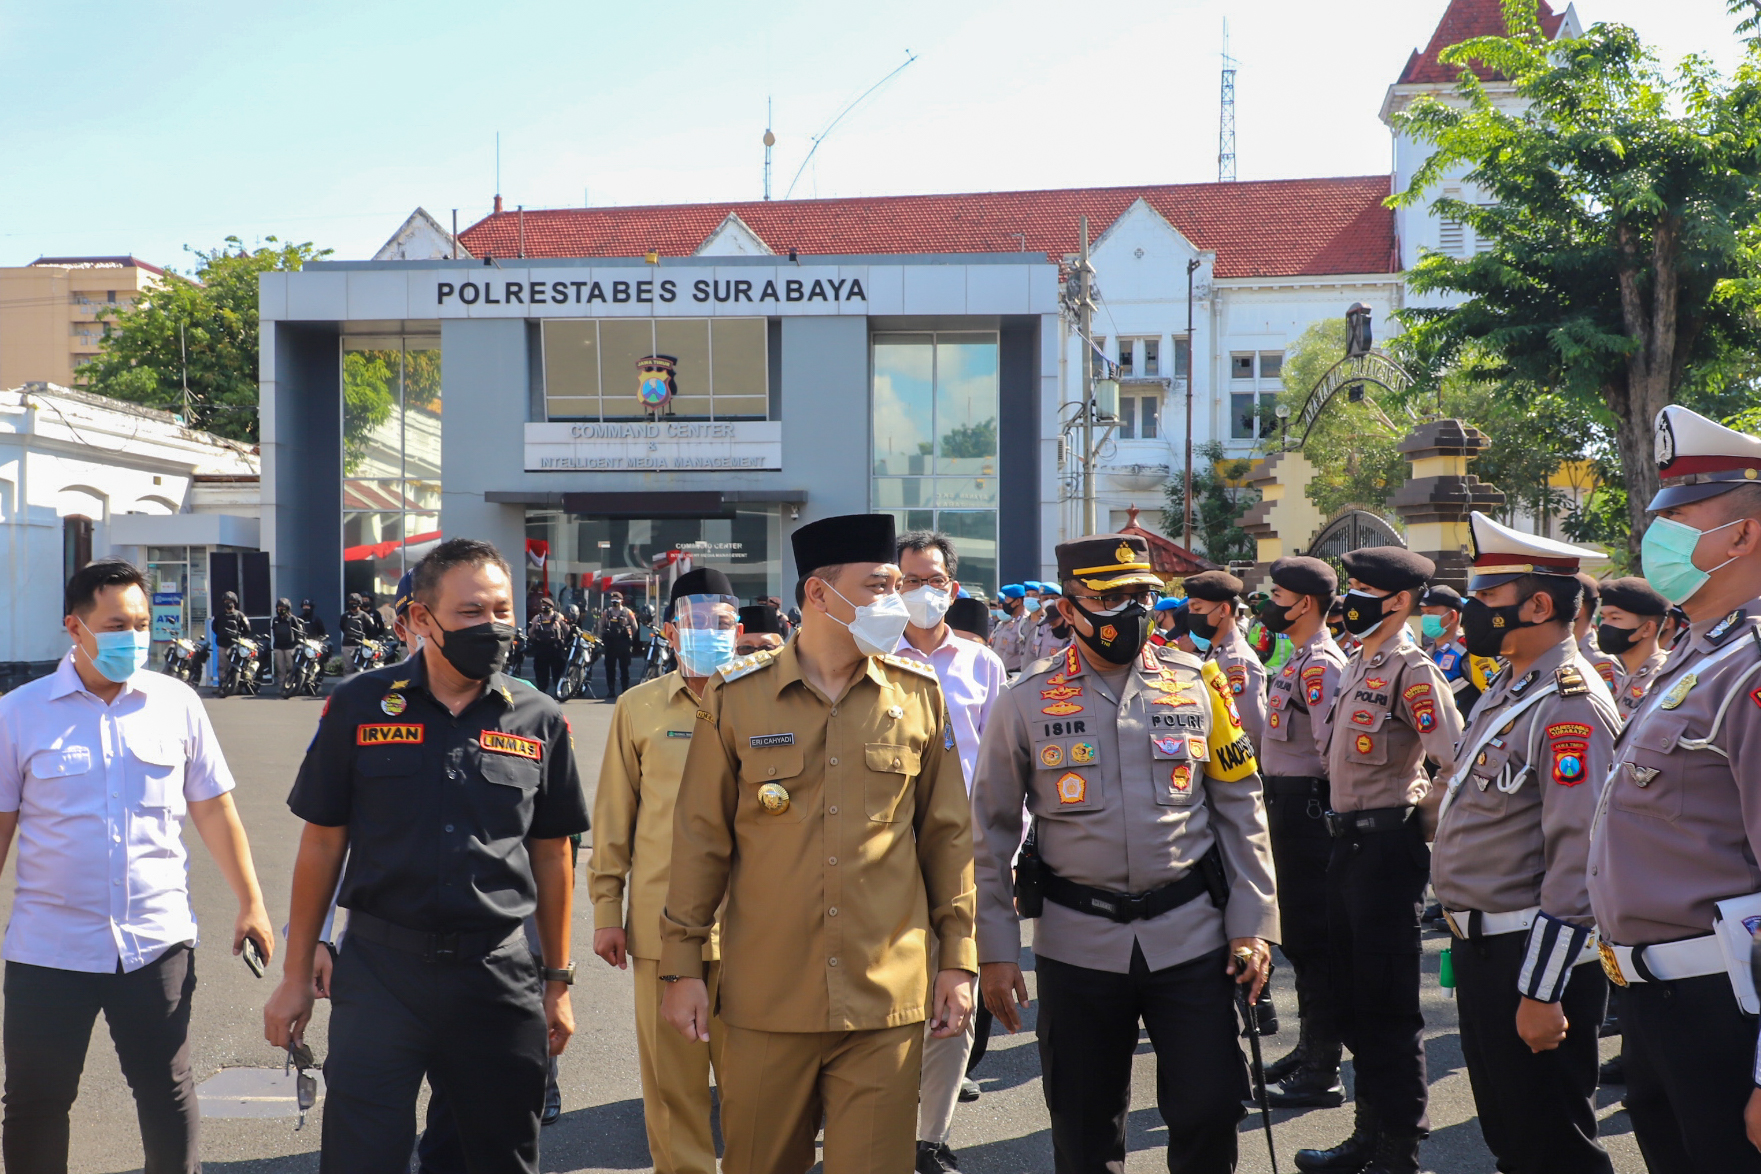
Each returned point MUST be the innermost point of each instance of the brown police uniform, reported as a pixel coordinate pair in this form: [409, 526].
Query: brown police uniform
[1246, 675]
[1133, 775]
[838, 831]
[1630, 688]
[651, 732]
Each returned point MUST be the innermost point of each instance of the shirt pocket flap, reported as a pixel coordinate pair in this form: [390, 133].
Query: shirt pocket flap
[156, 752]
[895, 759]
[56, 764]
[376, 762]
[1660, 732]
[510, 770]
[771, 764]
[1491, 759]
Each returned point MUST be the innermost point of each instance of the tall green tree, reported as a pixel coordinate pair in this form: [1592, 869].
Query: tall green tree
[1621, 256]
[202, 325]
[1219, 500]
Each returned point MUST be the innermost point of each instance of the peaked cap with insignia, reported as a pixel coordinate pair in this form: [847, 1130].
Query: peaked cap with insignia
[1697, 458]
[1107, 562]
[1502, 554]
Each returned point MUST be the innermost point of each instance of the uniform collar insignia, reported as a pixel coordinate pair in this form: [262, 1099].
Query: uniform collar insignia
[396, 685]
[1528, 679]
[1727, 625]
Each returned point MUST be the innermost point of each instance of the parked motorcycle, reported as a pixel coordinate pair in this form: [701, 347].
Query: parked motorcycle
[307, 673]
[577, 678]
[185, 659]
[372, 654]
[239, 673]
[659, 661]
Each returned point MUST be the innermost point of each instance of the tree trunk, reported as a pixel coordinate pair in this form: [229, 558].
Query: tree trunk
[1651, 368]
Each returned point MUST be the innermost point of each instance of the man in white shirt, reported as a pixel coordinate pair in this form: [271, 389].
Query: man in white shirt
[971, 676]
[99, 764]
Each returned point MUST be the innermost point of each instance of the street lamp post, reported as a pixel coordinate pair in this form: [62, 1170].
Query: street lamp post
[1191, 363]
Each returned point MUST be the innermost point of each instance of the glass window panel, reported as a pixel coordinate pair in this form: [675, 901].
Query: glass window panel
[690, 407]
[422, 412]
[687, 340]
[903, 403]
[741, 350]
[371, 425]
[1241, 366]
[572, 408]
[1127, 417]
[1182, 358]
[729, 407]
[621, 343]
[892, 493]
[1152, 356]
[975, 540]
[1241, 417]
[1126, 349]
[966, 403]
[1152, 412]
[920, 519]
[1271, 364]
[957, 492]
[571, 366]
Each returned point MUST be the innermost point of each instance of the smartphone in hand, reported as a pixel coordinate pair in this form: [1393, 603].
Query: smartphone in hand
[253, 957]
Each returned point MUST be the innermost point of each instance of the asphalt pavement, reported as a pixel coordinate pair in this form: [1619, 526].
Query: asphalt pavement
[1004, 1132]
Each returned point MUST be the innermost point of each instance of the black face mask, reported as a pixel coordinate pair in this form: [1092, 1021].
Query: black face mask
[1060, 629]
[1130, 627]
[1336, 630]
[1613, 640]
[478, 652]
[1201, 626]
[1276, 618]
[1483, 628]
[1364, 612]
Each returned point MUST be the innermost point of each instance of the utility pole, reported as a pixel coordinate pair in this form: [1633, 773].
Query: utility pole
[1191, 366]
[770, 140]
[1084, 318]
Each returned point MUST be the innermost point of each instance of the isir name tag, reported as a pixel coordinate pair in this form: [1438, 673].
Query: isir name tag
[388, 735]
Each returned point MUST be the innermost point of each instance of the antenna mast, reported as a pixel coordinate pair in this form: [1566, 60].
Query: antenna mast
[839, 117]
[1226, 115]
[770, 140]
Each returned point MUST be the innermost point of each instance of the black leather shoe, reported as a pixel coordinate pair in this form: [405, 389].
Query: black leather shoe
[1394, 1155]
[934, 1158]
[1287, 1064]
[1613, 1070]
[968, 1091]
[1311, 1086]
[1349, 1156]
[553, 1098]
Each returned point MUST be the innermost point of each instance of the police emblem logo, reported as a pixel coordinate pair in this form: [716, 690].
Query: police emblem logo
[1275, 719]
[1237, 679]
[1052, 755]
[1610, 963]
[1363, 717]
[1072, 788]
[1377, 683]
[1664, 451]
[1195, 749]
[1123, 553]
[1289, 670]
[1568, 762]
[1606, 670]
[1061, 709]
[1365, 744]
[1180, 779]
[1109, 633]
[1060, 692]
[656, 380]
[1755, 696]
[773, 798]
[1424, 716]
[1083, 752]
[1166, 744]
[1638, 691]
[393, 704]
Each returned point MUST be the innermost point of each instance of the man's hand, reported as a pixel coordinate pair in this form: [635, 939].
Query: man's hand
[1250, 960]
[1005, 992]
[686, 1006]
[610, 944]
[1542, 1025]
[951, 1005]
[253, 922]
[288, 1011]
[1752, 1118]
[322, 965]
[559, 1016]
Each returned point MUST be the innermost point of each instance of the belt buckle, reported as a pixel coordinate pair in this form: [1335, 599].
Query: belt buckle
[442, 947]
[1336, 825]
[1135, 907]
[1610, 963]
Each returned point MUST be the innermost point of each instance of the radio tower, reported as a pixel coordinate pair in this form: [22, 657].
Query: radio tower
[1226, 116]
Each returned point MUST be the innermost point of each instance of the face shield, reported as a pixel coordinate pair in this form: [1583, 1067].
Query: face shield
[705, 625]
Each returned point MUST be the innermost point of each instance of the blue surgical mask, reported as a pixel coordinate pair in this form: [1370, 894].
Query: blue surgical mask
[704, 650]
[120, 654]
[1667, 554]
[1198, 642]
[1432, 627]
[1031, 604]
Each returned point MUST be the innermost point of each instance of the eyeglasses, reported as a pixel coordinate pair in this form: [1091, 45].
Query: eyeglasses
[939, 582]
[1114, 600]
[305, 1084]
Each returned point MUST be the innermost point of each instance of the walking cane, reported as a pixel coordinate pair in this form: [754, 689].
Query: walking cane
[1251, 1022]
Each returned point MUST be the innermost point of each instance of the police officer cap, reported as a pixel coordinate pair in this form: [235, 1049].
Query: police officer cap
[761, 618]
[1592, 589]
[1303, 575]
[1697, 458]
[1502, 554]
[1049, 589]
[970, 615]
[406, 591]
[1214, 587]
[283, 602]
[229, 597]
[1388, 568]
[1012, 591]
[1634, 594]
[1107, 562]
[1034, 585]
[702, 581]
[1441, 595]
[851, 538]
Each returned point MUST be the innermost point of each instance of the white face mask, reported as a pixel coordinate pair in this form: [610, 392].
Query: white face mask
[926, 605]
[878, 625]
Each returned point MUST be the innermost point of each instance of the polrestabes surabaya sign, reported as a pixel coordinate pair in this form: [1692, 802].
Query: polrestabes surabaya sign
[627, 292]
[662, 445]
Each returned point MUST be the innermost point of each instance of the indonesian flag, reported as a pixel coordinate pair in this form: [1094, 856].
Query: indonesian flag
[538, 559]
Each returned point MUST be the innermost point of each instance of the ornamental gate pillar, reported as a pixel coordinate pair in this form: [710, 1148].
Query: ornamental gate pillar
[1437, 498]
[1284, 520]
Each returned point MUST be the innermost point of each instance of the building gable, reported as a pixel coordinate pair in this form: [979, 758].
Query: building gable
[733, 237]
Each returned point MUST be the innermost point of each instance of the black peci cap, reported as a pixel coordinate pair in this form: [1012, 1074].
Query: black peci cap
[702, 581]
[970, 615]
[1303, 575]
[761, 618]
[1213, 586]
[849, 538]
[1441, 595]
[1388, 568]
[1634, 594]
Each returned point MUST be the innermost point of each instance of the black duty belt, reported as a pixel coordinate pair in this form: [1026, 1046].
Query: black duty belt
[433, 947]
[1300, 786]
[1381, 819]
[1123, 907]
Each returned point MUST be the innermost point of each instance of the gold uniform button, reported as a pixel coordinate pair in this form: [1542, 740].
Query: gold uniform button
[832, 810]
[895, 764]
[834, 762]
[832, 860]
[832, 912]
[773, 770]
[832, 962]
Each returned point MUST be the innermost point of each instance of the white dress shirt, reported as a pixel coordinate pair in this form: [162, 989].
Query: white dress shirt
[101, 793]
[971, 676]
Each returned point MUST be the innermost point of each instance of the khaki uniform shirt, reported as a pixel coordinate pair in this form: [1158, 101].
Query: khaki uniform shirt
[633, 810]
[1128, 791]
[1006, 643]
[1246, 676]
[1299, 704]
[1679, 825]
[1390, 713]
[835, 904]
[1630, 689]
[1516, 834]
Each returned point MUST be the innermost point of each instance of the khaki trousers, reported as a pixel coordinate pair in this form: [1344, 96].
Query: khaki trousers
[675, 1077]
[776, 1084]
[944, 1068]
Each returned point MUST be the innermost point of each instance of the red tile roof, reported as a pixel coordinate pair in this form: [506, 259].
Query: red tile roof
[1462, 21]
[1272, 228]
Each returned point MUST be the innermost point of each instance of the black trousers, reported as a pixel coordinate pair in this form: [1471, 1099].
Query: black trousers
[1375, 888]
[1536, 1109]
[1690, 1054]
[617, 665]
[49, 1016]
[1087, 1035]
[547, 667]
[1301, 850]
[474, 1028]
[981, 1036]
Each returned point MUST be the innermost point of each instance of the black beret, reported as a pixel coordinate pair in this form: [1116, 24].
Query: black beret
[1635, 595]
[1388, 568]
[1213, 586]
[1441, 595]
[761, 618]
[970, 615]
[1303, 575]
[1592, 589]
[850, 538]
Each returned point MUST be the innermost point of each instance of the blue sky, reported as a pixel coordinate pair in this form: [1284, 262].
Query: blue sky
[147, 126]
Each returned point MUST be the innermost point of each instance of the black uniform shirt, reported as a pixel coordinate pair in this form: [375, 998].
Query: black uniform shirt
[438, 807]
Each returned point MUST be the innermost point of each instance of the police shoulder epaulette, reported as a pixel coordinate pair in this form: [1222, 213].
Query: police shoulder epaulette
[1571, 681]
[1721, 631]
[747, 665]
[1044, 664]
[909, 665]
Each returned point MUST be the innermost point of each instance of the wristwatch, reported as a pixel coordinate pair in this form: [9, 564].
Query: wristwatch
[566, 977]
